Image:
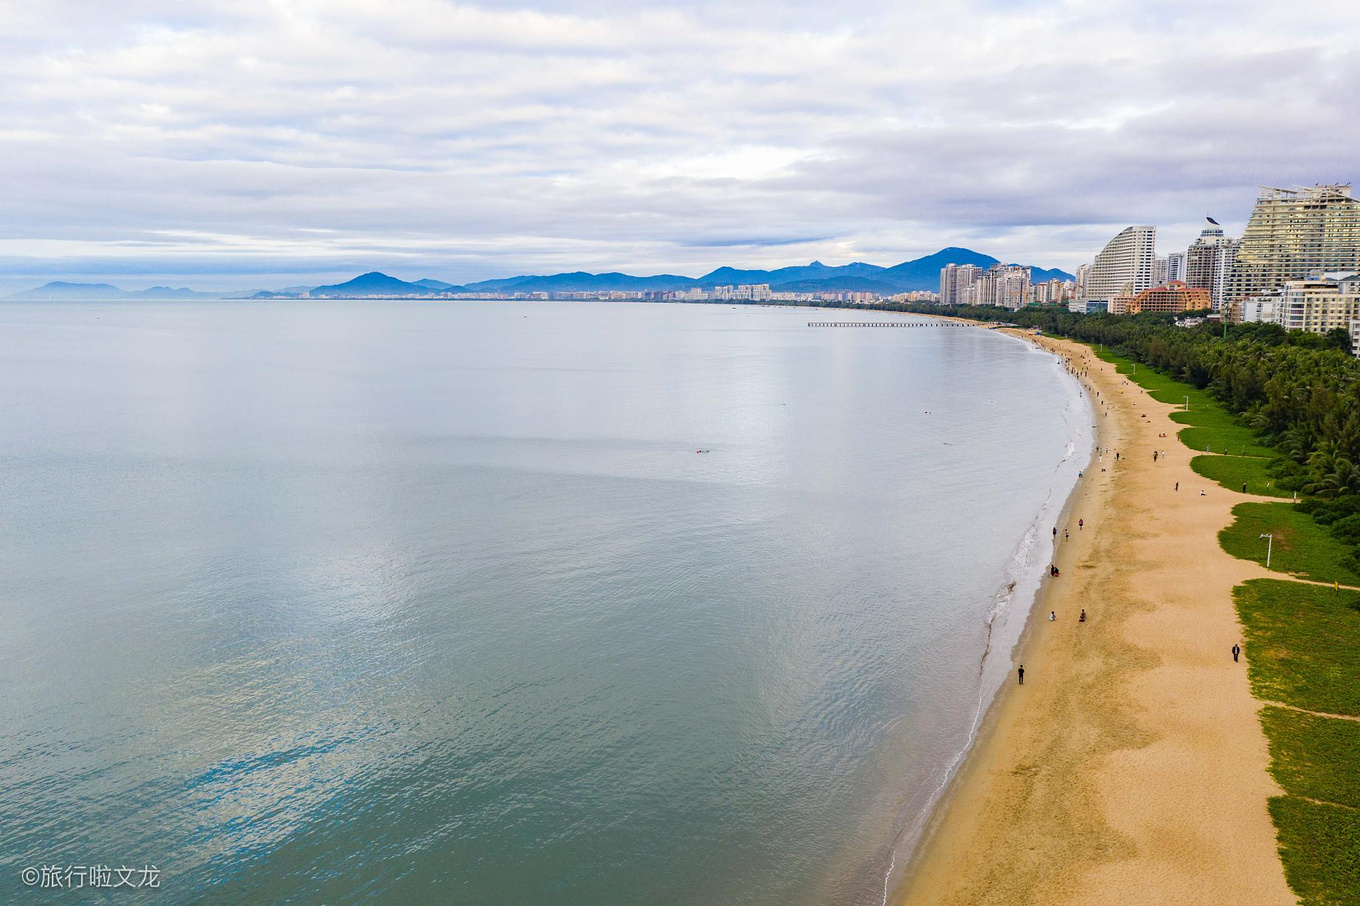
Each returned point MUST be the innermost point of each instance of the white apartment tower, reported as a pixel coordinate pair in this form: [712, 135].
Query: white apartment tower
[1175, 267]
[1209, 261]
[1124, 268]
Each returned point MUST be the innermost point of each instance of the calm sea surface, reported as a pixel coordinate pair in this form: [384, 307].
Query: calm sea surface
[394, 602]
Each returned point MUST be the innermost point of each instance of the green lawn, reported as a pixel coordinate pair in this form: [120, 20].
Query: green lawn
[1235, 440]
[1214, 416]
[1232, 471]
[1320, 848]
[1303, 644]
[1316, 757]
[1301, 547]
[1210, 425]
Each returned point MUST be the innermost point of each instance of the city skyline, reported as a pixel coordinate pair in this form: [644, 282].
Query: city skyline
[230, 147]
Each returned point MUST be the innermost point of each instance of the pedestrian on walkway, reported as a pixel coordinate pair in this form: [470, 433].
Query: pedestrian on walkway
[1236, 651]
[1021, 674]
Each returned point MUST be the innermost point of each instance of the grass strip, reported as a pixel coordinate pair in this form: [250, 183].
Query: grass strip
[1233, 471]
[1299, 547]
[1315, 757]
[1320, 849]
[1303, 644]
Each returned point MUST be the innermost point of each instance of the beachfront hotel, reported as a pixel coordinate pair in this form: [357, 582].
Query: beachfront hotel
[1296, 234]
[1317, 306]
[1174, 296]
[1122, 270]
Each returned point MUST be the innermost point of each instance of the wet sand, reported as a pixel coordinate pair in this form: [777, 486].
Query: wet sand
[1130, 767]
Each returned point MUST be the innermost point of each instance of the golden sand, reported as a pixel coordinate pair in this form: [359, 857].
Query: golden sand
[1130, 768]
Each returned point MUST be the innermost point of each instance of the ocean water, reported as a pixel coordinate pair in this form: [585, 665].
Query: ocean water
[413, 602]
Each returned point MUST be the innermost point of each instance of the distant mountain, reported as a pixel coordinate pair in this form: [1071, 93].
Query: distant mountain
[1042, 275]
[58, 290]
[373, 283]
[92, 292]
[165, 292]
[918, 274]
[840, 285]
[727, 276]
[582, 282]
[924, 273]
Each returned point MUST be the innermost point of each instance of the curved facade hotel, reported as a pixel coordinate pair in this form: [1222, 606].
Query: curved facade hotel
[1296, 234]
[1124, 268]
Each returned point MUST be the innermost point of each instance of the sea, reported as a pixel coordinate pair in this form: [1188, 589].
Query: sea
[504, 602]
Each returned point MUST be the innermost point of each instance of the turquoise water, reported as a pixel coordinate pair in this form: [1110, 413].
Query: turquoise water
[398, 602]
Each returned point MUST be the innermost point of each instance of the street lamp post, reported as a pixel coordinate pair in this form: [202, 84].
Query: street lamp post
[1270, 542]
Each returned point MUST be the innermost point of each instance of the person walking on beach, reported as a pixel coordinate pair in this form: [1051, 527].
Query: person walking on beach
[1178, 486]
[1021, 674]
[1154, 455]
[1081, 523]
[1236, 651]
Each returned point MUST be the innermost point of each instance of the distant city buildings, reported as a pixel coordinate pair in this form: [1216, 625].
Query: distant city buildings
[1004, 285]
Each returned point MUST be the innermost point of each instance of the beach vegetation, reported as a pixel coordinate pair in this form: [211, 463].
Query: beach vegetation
[1234, 471]
[1320, 848]
[1298, 544]
[1314, 756]
[1303, 644]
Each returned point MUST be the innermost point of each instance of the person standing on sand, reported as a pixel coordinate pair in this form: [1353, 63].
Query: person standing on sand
[1236, 651]
[1081, 524]
[1021, 674]
[1178, 486]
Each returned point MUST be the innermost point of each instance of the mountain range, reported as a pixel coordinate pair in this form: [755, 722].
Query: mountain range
[918, 274]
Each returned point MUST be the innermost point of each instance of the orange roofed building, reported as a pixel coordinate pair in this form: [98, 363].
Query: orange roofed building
[1173, 297]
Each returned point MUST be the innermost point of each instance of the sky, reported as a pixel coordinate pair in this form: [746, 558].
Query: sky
[234, 145]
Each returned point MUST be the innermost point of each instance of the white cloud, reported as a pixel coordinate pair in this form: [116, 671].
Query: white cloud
[231, 140]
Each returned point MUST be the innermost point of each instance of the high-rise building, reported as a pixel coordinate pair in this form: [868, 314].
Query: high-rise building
[1296, 234]
[949, 275]
[1123, 269]
[954, 279]
[1012, 286]
[1175, 267]
[1159, 272]
[1209, 260]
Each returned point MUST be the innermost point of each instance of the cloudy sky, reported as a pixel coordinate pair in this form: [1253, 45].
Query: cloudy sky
[246, 144]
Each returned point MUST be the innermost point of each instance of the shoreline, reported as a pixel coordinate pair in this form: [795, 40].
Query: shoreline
[1132, 766]
[1029, 600]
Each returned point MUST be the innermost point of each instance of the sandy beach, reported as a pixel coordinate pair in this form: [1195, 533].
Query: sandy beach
[1130, 767]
